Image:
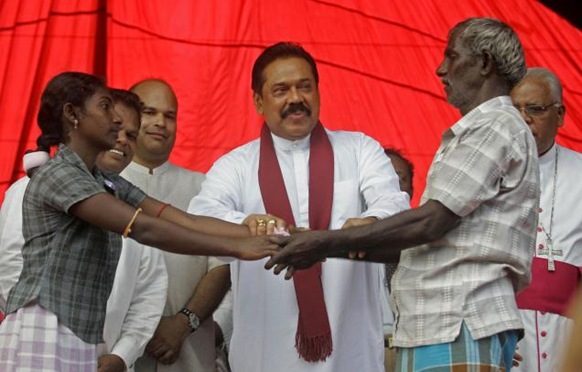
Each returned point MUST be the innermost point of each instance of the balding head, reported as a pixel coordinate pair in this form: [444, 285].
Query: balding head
[538, 97]
[158, 127]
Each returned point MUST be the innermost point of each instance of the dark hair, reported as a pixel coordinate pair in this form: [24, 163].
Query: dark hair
[68, 87]
[389, 151]
[129, 99]
[274, 52]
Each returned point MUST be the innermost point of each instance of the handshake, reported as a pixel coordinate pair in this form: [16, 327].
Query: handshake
[294, 248]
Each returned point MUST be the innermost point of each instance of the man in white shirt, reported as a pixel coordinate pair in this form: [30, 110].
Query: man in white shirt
[136, 301]
[557, 262]
[454, 295]
[329, 319]
[184, 339]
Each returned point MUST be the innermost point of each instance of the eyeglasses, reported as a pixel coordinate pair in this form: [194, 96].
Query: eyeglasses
[535, 110]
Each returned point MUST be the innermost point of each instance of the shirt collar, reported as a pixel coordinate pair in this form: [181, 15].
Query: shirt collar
[289, 145]
[145, 170]
[68, 155]
[494, 103]
[549, 156]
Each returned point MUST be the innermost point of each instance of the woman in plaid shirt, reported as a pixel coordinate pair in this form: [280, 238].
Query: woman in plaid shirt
[73, 216]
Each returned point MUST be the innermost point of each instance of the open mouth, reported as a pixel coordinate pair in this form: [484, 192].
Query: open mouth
[117, 152]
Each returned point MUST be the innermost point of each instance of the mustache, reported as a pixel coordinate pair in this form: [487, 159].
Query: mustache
[295, 107]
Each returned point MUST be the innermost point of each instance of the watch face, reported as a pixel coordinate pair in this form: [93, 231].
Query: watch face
[194, 321]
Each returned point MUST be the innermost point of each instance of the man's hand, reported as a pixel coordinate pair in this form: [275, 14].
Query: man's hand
[167, 341]
[300, 251]
[255, 248]
[517, 358]
[110, 363]
[353, 222]
[264, 224]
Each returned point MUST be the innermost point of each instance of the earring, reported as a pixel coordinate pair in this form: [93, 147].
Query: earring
[75, 124]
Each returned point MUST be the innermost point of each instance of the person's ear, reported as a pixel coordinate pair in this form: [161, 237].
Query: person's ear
[487, 63]
[70, 113]
[561, 114]
[258, 102]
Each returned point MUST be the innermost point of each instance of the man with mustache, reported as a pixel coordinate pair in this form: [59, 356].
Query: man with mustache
[471, 240]
[329, 318]
[184, 339]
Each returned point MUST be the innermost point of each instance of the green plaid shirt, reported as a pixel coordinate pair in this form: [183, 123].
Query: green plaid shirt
[69, 265]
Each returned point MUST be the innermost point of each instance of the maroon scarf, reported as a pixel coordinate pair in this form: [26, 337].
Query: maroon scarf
[313, 338]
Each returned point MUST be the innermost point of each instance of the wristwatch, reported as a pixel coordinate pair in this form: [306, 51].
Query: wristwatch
[193, 320]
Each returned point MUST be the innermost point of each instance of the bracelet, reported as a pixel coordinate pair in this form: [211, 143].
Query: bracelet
[127, 230]
[162, 209]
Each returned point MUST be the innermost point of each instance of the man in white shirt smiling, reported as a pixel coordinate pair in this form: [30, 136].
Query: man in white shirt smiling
[328, 319]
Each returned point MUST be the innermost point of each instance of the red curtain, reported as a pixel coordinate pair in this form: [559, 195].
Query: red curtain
[376, 61]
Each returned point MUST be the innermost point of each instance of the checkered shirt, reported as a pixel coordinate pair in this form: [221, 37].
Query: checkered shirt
[485, 171]
[69, 265]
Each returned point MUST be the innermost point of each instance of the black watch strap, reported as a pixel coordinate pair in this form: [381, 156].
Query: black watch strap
[193, 320]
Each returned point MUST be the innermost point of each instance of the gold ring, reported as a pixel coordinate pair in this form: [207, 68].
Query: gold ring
[272, 222]
[261, 221]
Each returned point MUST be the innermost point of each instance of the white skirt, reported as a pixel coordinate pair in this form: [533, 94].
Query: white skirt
[33, 340]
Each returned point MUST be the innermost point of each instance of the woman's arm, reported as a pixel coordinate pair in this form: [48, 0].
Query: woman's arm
[110, 213]
[210, 225]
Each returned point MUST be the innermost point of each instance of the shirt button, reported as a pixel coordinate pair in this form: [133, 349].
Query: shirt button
[544, 334]
[544, 355]
[543, 312]
[539, 210]
[541, 246]
[539, 229]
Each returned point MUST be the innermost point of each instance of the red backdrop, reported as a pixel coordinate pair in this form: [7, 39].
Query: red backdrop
[376, 61]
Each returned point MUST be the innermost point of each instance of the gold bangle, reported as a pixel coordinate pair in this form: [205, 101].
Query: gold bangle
[127, 230]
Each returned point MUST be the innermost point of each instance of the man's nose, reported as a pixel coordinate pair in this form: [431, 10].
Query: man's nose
[441, 70]
[160, 119]
[122, 137]
[294, 95]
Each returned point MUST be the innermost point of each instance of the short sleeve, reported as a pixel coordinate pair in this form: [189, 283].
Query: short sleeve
[63, 185]
[124, 189]
[470, 172]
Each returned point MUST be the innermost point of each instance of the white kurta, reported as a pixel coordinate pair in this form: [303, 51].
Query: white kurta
[11, 238]
[136, 301]
[139, 289]
[265, 305]
[177, 186]
[546, 333]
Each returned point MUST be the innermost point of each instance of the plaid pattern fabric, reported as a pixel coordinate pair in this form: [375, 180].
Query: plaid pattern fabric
[494, 353]
[32, 340]
[69, 265]
[485, 171]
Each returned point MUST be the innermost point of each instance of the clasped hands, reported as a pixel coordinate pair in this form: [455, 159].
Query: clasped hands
[301, 248]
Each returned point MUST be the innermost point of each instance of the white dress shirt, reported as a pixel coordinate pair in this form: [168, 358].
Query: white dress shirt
[136, 301]
[11, 238]
[171, 184]
[265, 305]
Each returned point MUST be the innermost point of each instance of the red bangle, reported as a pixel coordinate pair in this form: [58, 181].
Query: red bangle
[162, 209]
